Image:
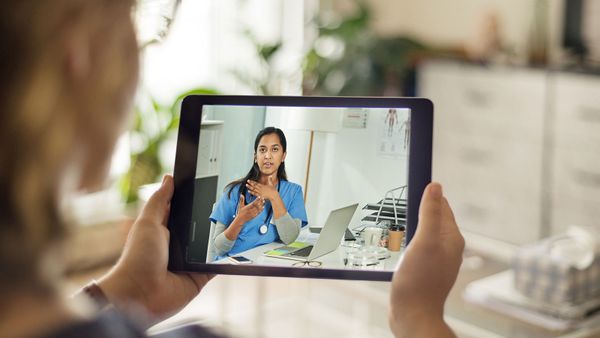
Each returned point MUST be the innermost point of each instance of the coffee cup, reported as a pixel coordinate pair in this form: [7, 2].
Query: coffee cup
[395, 238]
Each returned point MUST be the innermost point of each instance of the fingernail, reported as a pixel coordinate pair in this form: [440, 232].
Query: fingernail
[164, 180]
[436, 191]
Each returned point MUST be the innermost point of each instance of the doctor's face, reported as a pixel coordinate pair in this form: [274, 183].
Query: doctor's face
[269, 154]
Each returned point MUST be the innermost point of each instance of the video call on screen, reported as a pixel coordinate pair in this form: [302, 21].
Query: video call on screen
[324, 187]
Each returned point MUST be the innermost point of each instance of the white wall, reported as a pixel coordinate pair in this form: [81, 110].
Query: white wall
[345, 166]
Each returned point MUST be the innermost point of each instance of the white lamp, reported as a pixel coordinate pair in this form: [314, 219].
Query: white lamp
[325, 120]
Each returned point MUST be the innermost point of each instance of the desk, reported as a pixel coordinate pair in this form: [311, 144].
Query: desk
[332, 260]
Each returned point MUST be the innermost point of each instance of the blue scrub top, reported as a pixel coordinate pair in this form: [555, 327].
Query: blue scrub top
[250, 237]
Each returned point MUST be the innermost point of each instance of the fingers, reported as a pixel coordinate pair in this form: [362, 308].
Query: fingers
[258, 203]
[450, 227]
[448, 215]
[252, 190]
[431, 211]
[253, 187]
[436, 218]
[157, 207]
[200, 279]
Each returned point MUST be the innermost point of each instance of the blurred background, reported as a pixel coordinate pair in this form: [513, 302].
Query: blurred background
[515, 87]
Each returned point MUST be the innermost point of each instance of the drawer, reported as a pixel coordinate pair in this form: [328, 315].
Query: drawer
[509, 162]
[500, 122]
[497, 215]
[511, 98]
[577, 109]
[577, 174]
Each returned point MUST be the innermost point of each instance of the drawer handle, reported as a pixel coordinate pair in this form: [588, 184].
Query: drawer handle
[472, 155]
[589, 114]
[477, 98]
[587, 178]
[474, 211]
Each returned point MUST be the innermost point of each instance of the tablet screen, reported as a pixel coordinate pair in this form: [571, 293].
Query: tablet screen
[301, 187]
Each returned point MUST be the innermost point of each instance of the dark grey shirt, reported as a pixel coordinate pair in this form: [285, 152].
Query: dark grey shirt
[109, 324]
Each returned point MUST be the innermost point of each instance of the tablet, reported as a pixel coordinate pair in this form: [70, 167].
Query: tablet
[254, 173]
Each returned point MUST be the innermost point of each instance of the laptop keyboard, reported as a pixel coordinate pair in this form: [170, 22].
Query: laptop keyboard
[304, 252]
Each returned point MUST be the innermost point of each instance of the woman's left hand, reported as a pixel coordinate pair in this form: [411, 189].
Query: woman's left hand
[267, 191]
[141, 277]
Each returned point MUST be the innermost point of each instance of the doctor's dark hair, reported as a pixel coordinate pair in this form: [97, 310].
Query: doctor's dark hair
[254, 172]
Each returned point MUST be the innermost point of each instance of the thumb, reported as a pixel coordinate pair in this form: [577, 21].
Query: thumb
[158, 205]
[430, 211]
[270, 180]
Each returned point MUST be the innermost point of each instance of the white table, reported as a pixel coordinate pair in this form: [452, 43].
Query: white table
[332, 260]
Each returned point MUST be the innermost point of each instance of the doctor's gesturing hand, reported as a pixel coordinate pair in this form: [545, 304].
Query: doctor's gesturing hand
[244, 214]
[248, 212]
[267, 191]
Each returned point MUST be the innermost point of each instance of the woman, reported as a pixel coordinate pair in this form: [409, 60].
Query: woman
[262, 207]
[70, 69]
[69, 72]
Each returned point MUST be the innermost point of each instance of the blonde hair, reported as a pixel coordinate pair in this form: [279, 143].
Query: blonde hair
[49, 121]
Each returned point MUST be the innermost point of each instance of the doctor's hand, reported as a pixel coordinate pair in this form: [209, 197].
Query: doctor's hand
[427, 271]
[267, 191]
[140, 277]
[246, 213]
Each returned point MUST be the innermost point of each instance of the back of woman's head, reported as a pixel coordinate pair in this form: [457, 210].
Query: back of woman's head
[68, 68]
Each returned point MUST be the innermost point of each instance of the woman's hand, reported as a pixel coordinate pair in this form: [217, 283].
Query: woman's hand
[427, 271]
[244, 214]
[267, 191]
[141, 277]
[247, 212]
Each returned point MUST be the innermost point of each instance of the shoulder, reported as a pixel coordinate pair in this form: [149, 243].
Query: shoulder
[291, 187]
[232, 190]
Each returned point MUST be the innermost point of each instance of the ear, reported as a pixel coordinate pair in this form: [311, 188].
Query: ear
[283, 157]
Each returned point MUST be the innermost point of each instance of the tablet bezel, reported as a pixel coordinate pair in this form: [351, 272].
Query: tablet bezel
[419, 175]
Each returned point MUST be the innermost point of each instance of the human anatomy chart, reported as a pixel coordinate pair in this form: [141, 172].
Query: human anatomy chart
[394, 133]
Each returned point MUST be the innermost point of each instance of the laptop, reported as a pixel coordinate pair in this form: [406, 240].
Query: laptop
[329, 238]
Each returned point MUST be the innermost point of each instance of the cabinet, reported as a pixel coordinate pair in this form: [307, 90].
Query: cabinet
[209, 148]
[205, 187]
[517, 149]
[575, 177]
[488, 147]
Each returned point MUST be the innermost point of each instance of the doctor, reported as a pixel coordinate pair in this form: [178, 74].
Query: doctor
[262, 207]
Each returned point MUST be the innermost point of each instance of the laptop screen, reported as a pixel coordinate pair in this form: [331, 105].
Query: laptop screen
[269, 180]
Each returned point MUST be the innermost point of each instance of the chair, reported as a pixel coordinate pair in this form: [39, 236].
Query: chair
[210, 252]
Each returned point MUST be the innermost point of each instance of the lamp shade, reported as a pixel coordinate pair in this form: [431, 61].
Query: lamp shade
[311, 119]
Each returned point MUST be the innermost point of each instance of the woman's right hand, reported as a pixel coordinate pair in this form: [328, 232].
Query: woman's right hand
[244, 214]
[247, 212]
[427, 271]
